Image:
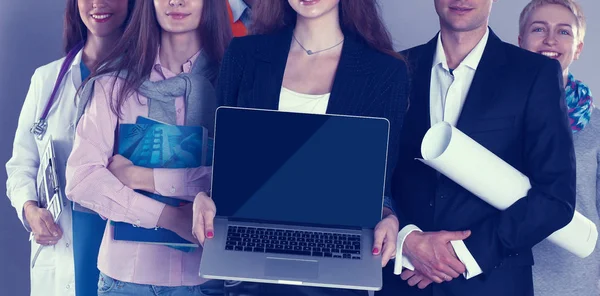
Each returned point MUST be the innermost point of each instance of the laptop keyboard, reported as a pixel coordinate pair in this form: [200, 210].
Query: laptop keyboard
[293, 242]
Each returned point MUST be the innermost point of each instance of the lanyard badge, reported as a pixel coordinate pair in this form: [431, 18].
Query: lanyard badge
[39, 128]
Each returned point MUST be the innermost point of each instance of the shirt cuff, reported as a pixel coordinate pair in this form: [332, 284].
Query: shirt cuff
[403, 261]
[18, 202]
[169, 182]
[144, 211]
[463, 254]
[182, 183]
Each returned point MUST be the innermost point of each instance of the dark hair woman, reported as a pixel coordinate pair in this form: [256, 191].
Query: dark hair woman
[318, 56]
[91, 30]
[164, 68]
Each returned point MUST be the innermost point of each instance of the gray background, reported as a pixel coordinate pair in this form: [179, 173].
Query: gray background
[31, 36]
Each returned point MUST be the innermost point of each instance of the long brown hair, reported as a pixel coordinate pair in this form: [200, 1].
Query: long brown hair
[137, 49]
[359, 17]
[75, 30]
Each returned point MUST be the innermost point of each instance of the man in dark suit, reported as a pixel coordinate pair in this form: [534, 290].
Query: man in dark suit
[507, 100]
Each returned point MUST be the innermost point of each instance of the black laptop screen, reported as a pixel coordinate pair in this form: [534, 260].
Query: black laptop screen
[299, 168]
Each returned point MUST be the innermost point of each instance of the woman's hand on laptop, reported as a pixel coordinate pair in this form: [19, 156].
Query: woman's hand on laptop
[177, 219]
[386, 233]
[204, 215]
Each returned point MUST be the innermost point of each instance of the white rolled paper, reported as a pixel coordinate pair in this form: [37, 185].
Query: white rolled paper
[464, 161]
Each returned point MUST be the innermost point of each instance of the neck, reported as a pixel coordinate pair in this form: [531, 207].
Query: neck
[177, 49]
[565, 76]
[97, 48]
[320, 33]
[457, 45]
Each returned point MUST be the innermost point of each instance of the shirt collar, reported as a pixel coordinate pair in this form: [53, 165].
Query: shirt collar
[471, 60]
[77, 59]
[75, 69]
[166, 73]
[238, 7]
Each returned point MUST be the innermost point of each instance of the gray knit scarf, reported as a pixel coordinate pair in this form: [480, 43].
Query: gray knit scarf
[197, 88]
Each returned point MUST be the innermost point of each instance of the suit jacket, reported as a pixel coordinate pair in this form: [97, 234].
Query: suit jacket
[367, 82]
[516, 109]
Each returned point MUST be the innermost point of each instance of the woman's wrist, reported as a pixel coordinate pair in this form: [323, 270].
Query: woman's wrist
[387, 212]
[28, 204]
[141, 178]
[167, 218]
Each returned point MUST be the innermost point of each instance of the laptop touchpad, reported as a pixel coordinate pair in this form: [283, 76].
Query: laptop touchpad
[286, 268]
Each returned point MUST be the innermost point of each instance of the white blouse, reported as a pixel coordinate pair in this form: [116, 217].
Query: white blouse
[292, 101]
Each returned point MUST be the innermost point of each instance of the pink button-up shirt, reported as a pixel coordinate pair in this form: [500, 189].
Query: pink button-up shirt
[92, 185]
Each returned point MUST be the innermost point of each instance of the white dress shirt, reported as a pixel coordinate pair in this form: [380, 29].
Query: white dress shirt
[448, 92]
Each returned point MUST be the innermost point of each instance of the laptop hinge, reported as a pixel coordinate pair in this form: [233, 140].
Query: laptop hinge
[233, 219]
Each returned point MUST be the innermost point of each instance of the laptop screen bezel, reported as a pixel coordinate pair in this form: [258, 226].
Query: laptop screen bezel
[290, 223]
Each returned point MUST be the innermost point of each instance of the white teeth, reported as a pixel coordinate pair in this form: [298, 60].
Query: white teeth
[550, 54]
[100, 16]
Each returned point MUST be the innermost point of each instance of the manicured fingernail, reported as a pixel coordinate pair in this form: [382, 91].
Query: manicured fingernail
[375, 251]
[55, 233]
[210, 234]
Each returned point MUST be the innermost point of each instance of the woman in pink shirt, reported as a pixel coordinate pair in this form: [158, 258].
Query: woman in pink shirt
[165, 70]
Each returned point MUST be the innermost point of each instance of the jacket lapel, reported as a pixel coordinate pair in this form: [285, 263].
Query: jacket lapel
[487, 80]
[349, 77]
[271, 60]
[422, 63]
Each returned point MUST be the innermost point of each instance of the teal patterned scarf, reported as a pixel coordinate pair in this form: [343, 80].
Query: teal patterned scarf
[579, 103]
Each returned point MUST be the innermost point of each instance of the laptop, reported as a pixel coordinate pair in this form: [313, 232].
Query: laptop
[298, 196]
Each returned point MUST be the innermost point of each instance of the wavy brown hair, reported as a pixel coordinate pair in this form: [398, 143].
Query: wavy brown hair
[137, 49]
[359, 17]
[75, 30]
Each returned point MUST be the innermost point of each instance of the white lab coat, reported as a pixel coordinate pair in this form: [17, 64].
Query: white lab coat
[53, 273]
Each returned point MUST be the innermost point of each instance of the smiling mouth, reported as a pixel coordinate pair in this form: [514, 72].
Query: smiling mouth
[101, 17]
[309, 2]
[550, 54]
[178, 15]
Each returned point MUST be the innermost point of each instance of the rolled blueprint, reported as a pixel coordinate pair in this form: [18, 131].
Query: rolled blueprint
[452, 153]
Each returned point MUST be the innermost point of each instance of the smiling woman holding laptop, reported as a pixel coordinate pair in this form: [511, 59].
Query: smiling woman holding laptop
[321, 57]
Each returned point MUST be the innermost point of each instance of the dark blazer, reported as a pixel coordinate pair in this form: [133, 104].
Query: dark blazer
[516, 109]
[367, 82]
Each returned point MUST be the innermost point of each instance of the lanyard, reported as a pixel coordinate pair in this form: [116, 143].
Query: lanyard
[40, 126]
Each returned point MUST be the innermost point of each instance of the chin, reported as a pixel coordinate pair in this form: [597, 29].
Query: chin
[103, 33]
[463, 28]
[179, 30]
[314, 12]
[310, 15]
